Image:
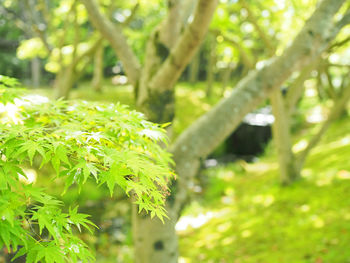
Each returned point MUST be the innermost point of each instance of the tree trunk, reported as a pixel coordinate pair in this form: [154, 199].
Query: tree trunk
[69, 74]
[36, 72]
[64, 82]
[282, 139]
[282, 109]
[154, 241]
[211, 66]
[98, 69]
[226, 77]
[336, 111]
[194, 68]
[296, 89]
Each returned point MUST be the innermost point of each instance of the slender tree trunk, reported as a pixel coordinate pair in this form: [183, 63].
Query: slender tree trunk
[336, 111]
[36, 72]
[226, 76]
[282, 109]
[64, 82]
[194, 68]
[282, 138]
[296, 89]
[211, 66]
[98, 69]
[69, 74]
[154, 241]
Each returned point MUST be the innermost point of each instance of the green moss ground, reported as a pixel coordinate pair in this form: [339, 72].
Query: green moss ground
[254, 219]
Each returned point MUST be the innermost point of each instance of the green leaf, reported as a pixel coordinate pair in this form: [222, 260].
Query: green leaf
[30, 147]
[62, 153]
[55, 161]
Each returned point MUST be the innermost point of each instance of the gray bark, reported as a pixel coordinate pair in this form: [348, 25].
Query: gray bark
[194, 68]
[113, 34]
[68, 75]
[154, 241]
[336, 111]
[185, 48]
[295, 90]
[98, 69]
[226, 75]
[36, 72]
[282, 139]
[211, 65]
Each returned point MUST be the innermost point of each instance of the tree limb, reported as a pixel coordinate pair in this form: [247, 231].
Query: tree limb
[207, 132]
[185, 48]
[247, 59]
[335, 113]
[252, 18]
[114, 35]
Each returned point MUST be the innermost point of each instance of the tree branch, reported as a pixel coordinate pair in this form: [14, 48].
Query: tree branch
[171, 26]
[335, 113]
[207, 132]
[185, 48]
[114, 35]
[132, 15]
[247, 59]
[296, 88]
[252, 18]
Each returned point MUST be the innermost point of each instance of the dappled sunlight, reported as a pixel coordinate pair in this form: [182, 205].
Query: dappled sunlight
[261, 167]
[317, 221]
[29, 177]
[10, 113]
[246, 233]
[310, 91]
[259, 119]
[343, 175]
[316, 115]
[304, 208]
[186, 222]
[265, 200]
[229, 196]
[300, 145]
[194, 97]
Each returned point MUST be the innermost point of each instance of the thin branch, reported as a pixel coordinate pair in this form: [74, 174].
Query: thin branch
[252, 19]
[295, 89]
[332, 91]
[247, 60]
[335, 113]
[114, 35]
[185, 48]
[338, 65]
[338, 44]
[130, 18]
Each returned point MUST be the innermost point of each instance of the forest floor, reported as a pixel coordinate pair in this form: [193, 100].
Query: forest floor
[241, 214]
[245, 216]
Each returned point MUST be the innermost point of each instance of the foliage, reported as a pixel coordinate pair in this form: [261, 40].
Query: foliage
[80, 140]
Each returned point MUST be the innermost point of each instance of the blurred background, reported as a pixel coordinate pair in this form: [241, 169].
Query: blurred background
[276, 188]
